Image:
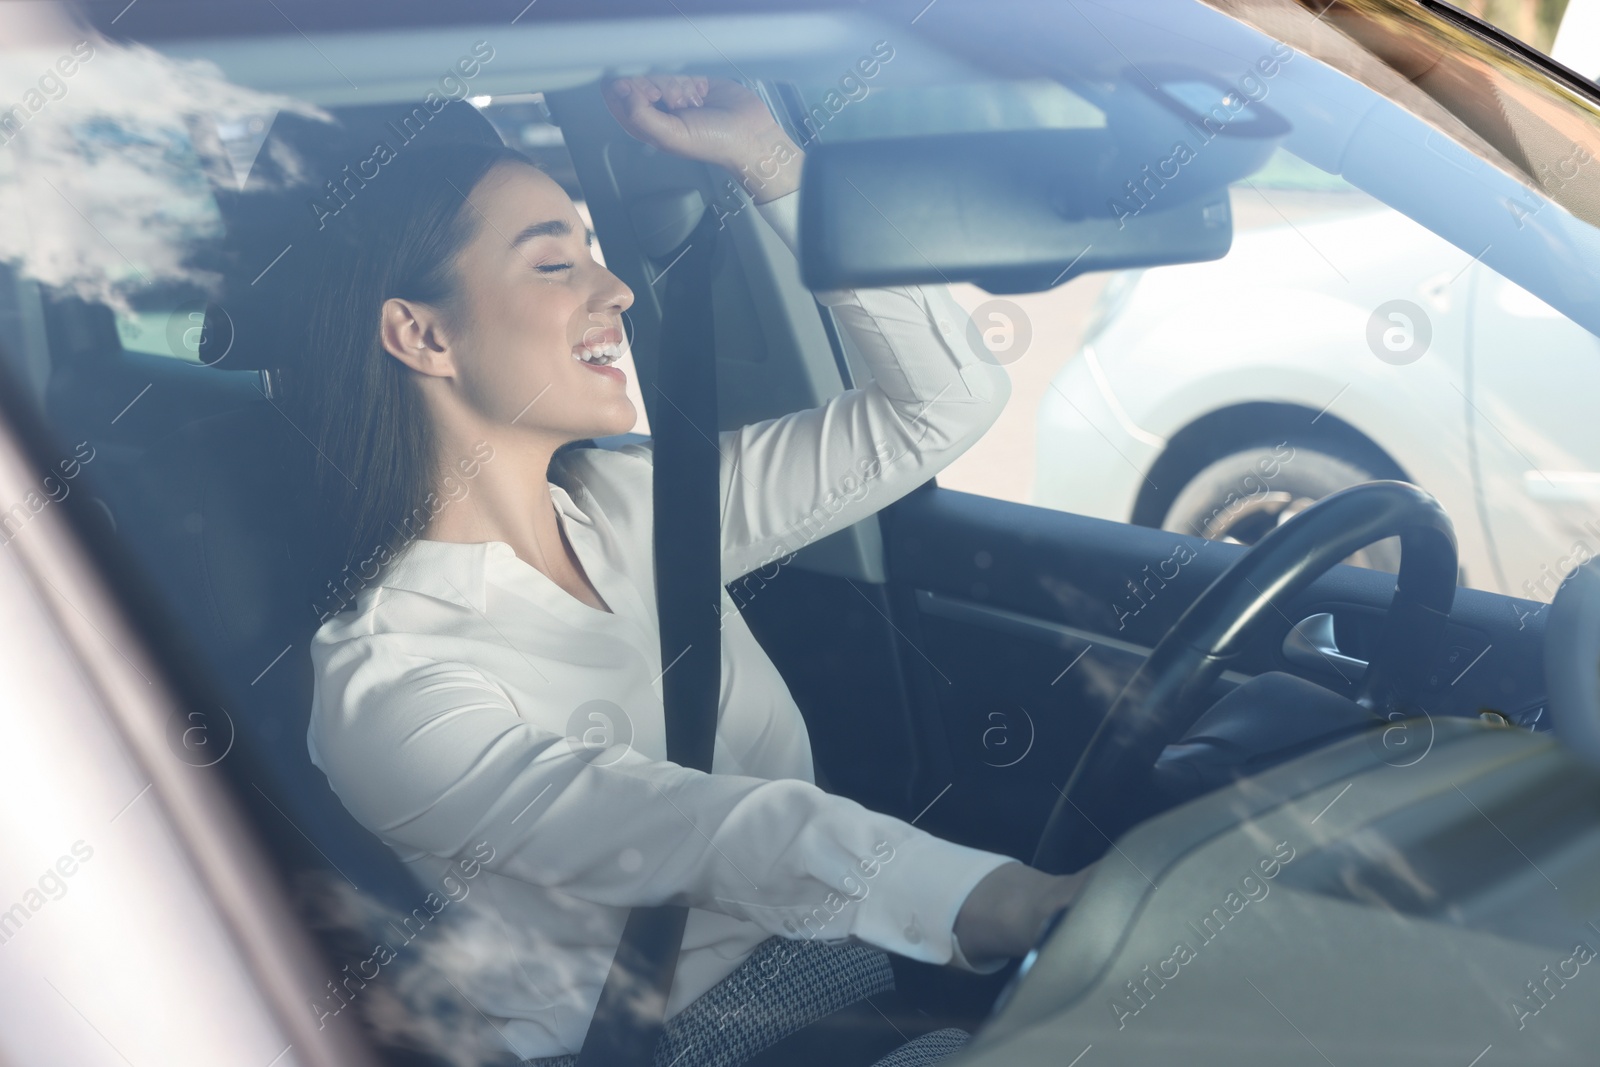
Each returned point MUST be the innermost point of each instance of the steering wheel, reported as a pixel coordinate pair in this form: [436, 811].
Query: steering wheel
[1572, 661]
[1167, 694]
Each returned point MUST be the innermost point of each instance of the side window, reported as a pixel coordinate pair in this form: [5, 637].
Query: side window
[1535, 377]
[1339, 341]
[170, 256]
[171, 321]
[167, 329]
[1204, 398]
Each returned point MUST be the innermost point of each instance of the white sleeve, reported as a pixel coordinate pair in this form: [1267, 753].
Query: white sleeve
[790, 480]
[433, 757]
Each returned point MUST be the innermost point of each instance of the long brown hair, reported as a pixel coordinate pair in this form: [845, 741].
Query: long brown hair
[376, 450]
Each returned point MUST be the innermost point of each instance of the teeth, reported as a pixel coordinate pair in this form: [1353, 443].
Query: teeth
[602, 355]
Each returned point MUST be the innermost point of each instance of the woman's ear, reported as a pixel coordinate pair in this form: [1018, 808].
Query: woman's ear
[413, 334]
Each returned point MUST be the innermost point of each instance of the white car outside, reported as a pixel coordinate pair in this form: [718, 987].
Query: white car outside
[1364, 346]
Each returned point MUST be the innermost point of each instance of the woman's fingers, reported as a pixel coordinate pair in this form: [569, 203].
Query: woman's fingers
[698, 117]
[675, 90]
[641, 118]
[633, 101]
[678, 90]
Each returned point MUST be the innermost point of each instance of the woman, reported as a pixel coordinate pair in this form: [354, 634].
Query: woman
[468, 332]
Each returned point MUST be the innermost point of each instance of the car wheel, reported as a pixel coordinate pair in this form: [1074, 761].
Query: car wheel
[1244, 494]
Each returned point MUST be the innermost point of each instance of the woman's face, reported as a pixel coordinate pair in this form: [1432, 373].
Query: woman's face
[532, 301]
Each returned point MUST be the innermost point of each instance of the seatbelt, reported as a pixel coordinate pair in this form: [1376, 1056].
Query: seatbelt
[628, 1019]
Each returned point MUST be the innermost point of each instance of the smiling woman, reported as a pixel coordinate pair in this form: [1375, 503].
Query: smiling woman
[463, 306]
[484, 352]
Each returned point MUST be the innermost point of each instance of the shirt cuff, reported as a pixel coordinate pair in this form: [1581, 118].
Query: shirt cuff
[959, 959]
[913, 909]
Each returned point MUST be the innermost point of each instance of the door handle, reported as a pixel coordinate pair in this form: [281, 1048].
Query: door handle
[1310, 644]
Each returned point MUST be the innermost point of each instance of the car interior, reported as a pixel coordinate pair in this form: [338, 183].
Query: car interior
[960, 660]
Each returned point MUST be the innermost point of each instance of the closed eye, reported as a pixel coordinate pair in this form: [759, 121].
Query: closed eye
[551, 268]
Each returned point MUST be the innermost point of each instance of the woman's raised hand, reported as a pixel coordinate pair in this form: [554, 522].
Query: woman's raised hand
[710, 119]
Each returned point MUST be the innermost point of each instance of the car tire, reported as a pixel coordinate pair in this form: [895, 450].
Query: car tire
[1246, 493]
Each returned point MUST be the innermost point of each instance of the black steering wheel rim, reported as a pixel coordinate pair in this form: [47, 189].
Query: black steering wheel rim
[1167, 694]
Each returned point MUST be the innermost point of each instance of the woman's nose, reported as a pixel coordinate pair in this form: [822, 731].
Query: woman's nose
[614, 293]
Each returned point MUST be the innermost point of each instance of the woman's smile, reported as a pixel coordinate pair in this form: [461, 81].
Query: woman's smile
[608, 371]
[601, 348]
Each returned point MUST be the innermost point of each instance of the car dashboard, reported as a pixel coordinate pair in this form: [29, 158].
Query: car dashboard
[1345, 907]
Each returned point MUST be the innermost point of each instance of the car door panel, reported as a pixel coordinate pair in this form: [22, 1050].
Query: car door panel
[833, 641]
[1027, 623]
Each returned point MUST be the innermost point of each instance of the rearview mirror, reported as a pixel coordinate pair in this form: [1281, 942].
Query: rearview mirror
[1025, 210]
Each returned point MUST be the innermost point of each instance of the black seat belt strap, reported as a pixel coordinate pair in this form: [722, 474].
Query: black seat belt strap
[628, 1020]
[688, 520]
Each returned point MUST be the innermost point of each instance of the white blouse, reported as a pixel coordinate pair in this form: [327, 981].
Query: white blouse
[507, 740]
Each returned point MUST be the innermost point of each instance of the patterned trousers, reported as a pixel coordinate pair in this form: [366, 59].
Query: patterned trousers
[784, 986]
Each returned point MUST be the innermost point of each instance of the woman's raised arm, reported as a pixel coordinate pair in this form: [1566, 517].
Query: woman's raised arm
[790, 480]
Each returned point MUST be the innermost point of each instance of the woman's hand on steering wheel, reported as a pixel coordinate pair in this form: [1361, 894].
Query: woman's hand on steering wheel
[714, 120]
[1005, 912]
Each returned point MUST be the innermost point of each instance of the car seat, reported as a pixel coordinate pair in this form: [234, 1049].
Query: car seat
[220, 513]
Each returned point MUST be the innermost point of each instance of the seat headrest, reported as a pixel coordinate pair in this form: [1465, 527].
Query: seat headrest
[304, 174]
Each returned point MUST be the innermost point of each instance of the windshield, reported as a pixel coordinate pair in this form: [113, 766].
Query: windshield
[1411, 291]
